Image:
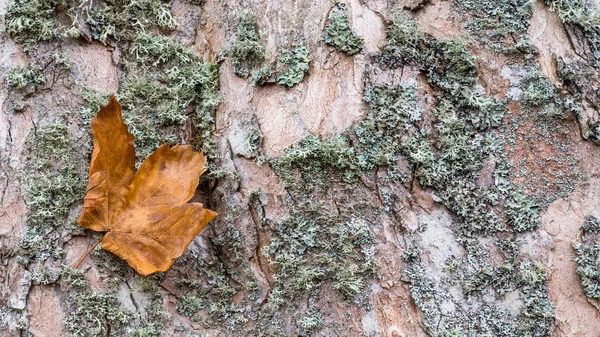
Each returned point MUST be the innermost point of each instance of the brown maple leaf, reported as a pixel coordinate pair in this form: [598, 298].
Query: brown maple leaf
[146, 215]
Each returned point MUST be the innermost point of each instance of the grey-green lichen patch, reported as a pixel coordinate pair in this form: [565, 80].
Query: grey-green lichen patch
[247, 52]
[588, 253]
[19, 77]
[544, 117]
[247, 56]
[422, 287]
[209, 299]
[392, 112]
[540, 94]
[593, 134]
[538, 89]
[583, 14]
[339, 33]
[311, 321]
[404, 41]
[575, 11]
[32, 21]
[454, 169]
[312, 246]
[315, 160]
[123, 20]
[261, 75]
[499, 25]
[151, 50]
[576, 77]
[95, 313]
[166, 91]
[93, 101]
[522, 212]
[448, 157]
[54, 184]
[102, 313]
[591, 225]
[163, 78]
[296, 65]
[224, 292]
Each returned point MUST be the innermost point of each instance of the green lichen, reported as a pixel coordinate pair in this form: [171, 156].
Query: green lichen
[589, 274]
[593, 134]
[53, 186]
[312, 246]
[209, 298]
[339, 34]
[323, 157]
[448, 157]
[254, 144]
[478, 280]
[404, 42]
[156, 102]
[422, 287]
[297, 66]
[43, 276]
[392, 112]
[522, 212]
[452, 171]
[497, 24]
[576, 11]
[95, 314]
[591, 225]
[122, 20]
[246, 52]
[532, 273]
[588, 253]
[582, 14]
[32, 21]
[311, 321]
[152, 50]
[261, 75]
[538, 89]
[73, 278]
[189, 305]
[93, 101]
[537, 313]
[19, 77]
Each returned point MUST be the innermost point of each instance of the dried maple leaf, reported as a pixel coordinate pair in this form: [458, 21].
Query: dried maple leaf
[146, 215]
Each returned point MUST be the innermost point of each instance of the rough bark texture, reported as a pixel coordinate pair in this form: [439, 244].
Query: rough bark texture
[431, 179]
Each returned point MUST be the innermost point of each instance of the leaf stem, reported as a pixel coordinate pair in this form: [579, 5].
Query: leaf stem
[87, 253]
